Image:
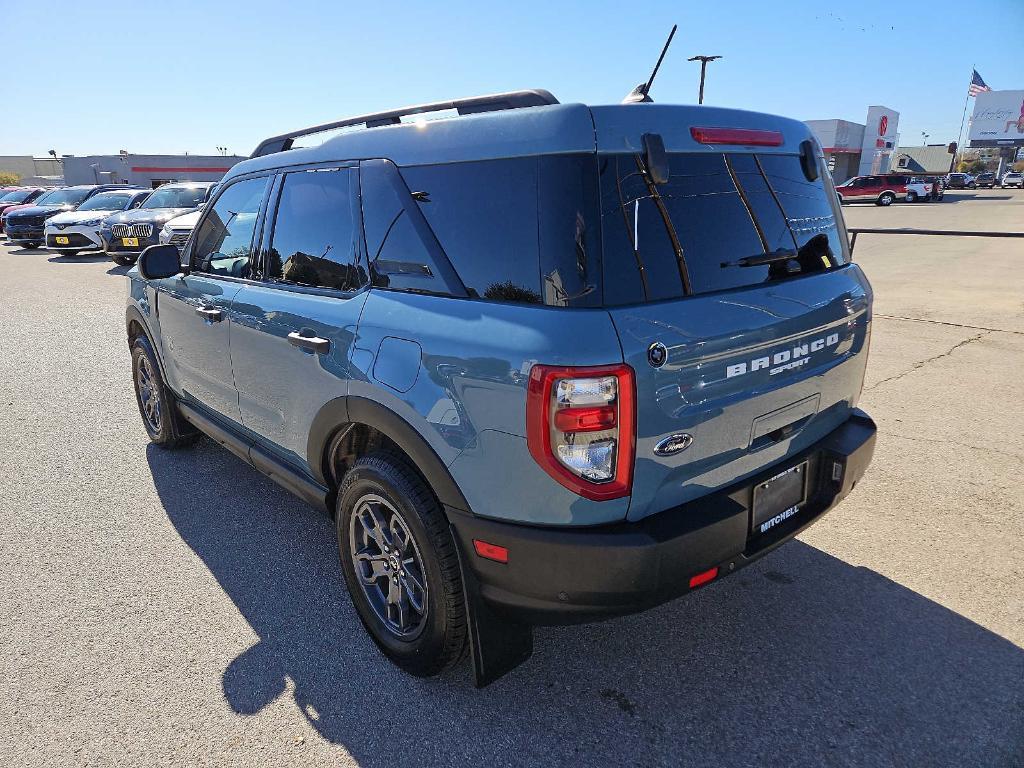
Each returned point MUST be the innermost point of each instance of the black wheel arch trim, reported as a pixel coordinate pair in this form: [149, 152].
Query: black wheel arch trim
[342, 411]
[131, 314]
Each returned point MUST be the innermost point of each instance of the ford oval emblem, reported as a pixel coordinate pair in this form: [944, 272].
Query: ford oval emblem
[657, 354]
[673, 444]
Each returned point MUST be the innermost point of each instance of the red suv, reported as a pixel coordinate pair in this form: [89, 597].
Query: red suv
[883, 190]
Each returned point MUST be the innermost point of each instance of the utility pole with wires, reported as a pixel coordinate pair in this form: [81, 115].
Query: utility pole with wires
[703, 68]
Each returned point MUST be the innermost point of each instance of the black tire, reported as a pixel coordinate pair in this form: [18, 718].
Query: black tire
[885, 199]
[168, 429]
[383, 485]
[124, 261]
[911, 196]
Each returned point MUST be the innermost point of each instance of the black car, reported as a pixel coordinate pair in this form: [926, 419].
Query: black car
[985, 180]
[126, 235]
[961, 181]
[25, 226]
[18, 196]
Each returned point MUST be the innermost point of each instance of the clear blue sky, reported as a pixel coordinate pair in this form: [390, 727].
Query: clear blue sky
[188, 76]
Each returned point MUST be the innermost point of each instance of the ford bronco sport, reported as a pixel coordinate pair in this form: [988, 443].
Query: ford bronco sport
[544, 363]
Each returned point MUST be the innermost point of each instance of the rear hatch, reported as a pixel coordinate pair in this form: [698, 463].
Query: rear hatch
[732, 291]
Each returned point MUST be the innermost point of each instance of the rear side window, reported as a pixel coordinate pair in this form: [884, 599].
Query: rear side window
[315, 233]
[402, 251]
[523, 230]
[714, 225]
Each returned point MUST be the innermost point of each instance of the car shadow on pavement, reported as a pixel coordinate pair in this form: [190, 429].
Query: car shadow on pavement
[90, 258]
[801, 659]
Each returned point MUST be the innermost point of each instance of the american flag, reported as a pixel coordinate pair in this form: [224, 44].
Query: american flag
[977, 85]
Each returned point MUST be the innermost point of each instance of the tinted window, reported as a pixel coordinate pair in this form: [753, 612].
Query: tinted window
[402, 251]
[314, 240]
[223, 242]
[726, 211]
[520, 229]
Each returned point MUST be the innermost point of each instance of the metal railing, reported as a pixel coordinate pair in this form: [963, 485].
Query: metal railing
[854, 231]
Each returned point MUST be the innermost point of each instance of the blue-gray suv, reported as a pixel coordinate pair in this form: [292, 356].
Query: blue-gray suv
[544, 363]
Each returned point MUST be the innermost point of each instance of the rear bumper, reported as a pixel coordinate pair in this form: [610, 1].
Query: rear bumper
[562, 576]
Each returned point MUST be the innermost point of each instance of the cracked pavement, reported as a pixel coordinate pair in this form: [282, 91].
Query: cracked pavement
[180, 609]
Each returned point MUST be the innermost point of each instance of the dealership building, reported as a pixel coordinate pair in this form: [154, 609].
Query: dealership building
[857, 149]
[145, 170]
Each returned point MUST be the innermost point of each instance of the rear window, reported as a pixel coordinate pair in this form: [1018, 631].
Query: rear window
[725, 212]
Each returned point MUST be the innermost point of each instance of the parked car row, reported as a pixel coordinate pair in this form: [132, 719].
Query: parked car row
[987, 180]
[119, 219]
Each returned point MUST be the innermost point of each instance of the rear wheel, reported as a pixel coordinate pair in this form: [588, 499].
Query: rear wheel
[911, 196]
[886, 198]
[401, 565]
[157, 406]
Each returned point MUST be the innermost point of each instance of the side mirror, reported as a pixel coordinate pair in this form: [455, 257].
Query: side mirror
[160, 261]
[655, 158]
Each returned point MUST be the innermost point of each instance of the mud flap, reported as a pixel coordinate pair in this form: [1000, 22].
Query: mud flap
[496, 645]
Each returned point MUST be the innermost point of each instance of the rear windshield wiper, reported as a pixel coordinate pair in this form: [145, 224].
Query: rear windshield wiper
[761, 259]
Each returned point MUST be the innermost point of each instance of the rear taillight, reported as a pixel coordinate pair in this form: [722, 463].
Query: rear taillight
[746, 136]
[581, 427]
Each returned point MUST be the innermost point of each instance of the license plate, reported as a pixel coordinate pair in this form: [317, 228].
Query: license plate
[779, 498]
[130, 242]
[61, 240]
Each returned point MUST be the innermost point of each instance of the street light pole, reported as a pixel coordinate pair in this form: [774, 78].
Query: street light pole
[703, 68]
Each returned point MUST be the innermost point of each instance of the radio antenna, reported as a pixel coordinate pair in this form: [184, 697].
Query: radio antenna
[642, 92]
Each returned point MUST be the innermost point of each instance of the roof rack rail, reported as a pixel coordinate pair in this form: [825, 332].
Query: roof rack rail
[472, 105]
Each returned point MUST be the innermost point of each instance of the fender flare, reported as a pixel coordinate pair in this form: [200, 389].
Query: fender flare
[132, 313]
[342, 411]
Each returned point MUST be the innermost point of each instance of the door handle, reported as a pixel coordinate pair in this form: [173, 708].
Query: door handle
[210, 313]
[312, 343]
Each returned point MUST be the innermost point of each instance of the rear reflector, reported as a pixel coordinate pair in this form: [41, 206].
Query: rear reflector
[585, 419]
[703, 578]
[490, 551]
[745, 136]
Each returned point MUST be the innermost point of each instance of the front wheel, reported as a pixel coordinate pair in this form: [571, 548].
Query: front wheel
[886, 198]
[401, 565]
[124, 261]
[164, 424]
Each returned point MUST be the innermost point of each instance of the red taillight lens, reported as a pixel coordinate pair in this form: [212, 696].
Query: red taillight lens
[746, 136]
[585, 419]
[581, 427]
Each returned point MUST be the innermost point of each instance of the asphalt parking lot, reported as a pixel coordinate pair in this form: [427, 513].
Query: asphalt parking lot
[180, 609]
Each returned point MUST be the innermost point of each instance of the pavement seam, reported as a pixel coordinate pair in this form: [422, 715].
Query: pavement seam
[952, 442]
[946, 322]
[925, 362]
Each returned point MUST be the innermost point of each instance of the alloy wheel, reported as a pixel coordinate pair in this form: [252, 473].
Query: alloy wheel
[388, 566]
[149, 395]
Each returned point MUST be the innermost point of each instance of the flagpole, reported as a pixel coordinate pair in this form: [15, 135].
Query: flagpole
[963, 117]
